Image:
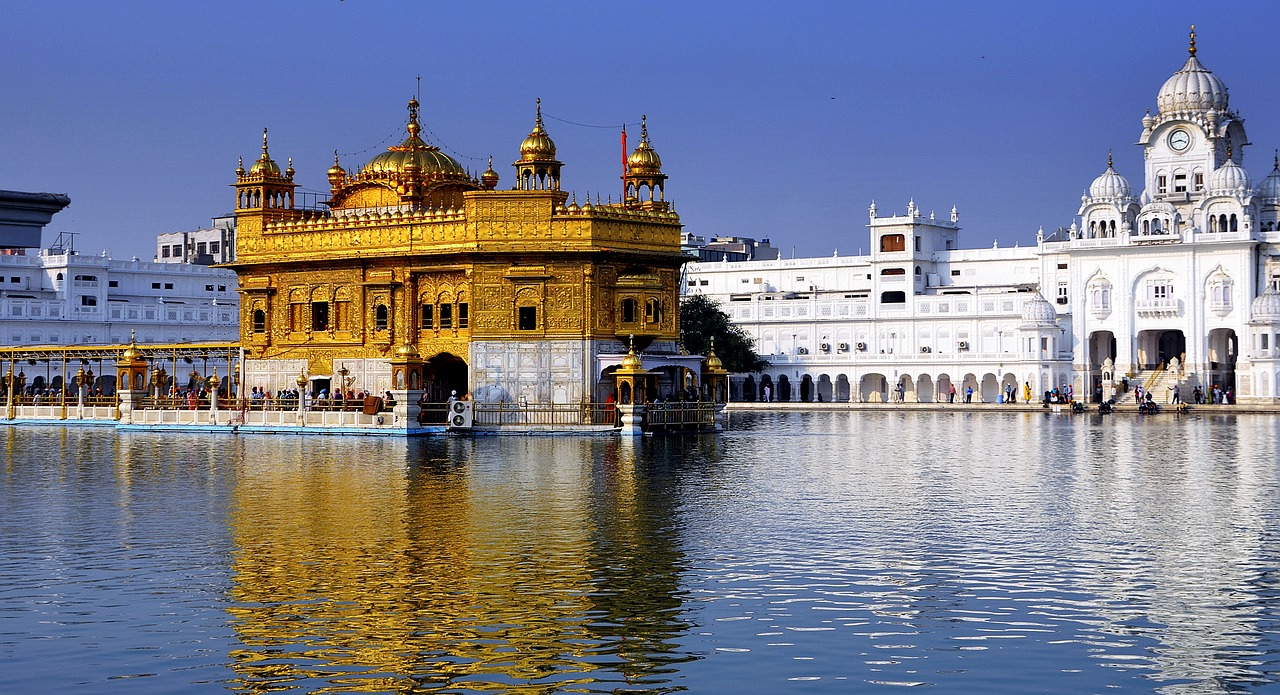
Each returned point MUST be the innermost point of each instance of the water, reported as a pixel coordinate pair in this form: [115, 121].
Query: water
[796, 553]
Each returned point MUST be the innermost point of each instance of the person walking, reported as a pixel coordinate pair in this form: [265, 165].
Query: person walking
[951, 394]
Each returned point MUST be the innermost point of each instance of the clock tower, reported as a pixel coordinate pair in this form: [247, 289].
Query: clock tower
[1192, 135]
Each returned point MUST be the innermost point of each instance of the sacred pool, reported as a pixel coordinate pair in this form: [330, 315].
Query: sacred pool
[830, 552]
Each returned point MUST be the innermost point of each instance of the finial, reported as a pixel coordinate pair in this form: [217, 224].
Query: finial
[631, 342]
[1192, 50]
[1229, 158]
[490, 161]
[1109, 164]
[133, 337]
[538, 107]
[644, 129]
[1277, 164]
[414, 128]
[264, 141]
[335, 158]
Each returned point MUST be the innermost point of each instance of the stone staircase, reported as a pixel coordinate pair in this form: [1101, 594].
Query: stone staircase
[1157, 381]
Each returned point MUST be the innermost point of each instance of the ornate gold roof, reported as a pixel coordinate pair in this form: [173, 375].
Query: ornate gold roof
[644, 160]
[414, 155]
[538, 146]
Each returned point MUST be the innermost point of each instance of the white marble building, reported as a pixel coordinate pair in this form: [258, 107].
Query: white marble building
[1174, 287]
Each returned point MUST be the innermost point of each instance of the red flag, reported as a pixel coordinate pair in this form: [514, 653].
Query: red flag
[624, 161]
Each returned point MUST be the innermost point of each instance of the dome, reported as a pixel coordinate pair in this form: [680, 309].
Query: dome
[538, 145]
[490, 177]
[1110, 184]
[1038, 310]
[713, 362]
[1229, 177]
[414, 153]
[132, 353]
[1270, 187]
[406, 352]
[644, 160]
[265, 166]
[1266, 307]
[1193, 88]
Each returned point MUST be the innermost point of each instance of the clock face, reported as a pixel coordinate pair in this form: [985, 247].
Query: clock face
[1179, 140]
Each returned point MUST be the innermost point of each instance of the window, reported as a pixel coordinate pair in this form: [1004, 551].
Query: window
[213, 247]
[164, 251]
[259, 321]
[917, 271]
[893, 242]
[1199, 181]
[629, 310]
[463, 311]
[917, 246]
[319, 316]
[1264, 341]
[896, 297]
[208, 288]
[955, 273]
[799, 278]
[1063, 296]
[1179, 183]
[446, 316]
[222, 288]
[155, 285]
[1062, 266]
[87, 300]
[113, 283]
[527, 318]
[893, 271]
[653, 311]
[168, 285]
[200, 249]
[1162, 184]
[380, 318]
[428, 316]
[177, 250]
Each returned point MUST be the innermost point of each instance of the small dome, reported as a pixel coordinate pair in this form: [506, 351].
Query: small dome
[490, 177]
[265, 166]
[632, 361]
[336, 171]
[1269, 188]
[644, 160]
[407, 352]
[1229, 177]
[413, 154]
[538, 145]
[1266, 307]
[1193, 88]
[1110, 184]
[1037, 311]
[713, 362]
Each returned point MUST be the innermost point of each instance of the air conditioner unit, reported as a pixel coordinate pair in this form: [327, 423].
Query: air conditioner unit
[862, 347]
[825, 347]
[963, 345]
[926, 348]
[460, 415]
[802, 351]
[844, 347]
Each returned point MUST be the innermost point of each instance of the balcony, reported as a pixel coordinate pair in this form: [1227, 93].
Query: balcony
[1158, 308]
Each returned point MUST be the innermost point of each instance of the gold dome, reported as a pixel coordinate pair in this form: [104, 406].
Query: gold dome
[265, 166]
[644, 160]
[490, 177]
[132, 353]
[414, 153]
[632, 362]
[713, 363]
[336, 172]
[407, 352]
[538, 145]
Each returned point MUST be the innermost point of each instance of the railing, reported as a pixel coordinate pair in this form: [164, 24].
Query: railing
[544, 414]
[1154, 378]
[680, 415]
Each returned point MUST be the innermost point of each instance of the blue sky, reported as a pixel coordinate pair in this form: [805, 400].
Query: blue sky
[778, 120]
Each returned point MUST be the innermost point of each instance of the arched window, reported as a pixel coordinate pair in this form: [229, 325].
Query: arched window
[1213, 223]
[917, 271]
[380, 318]
[1233, 223]
[259, 321]
[428, 313]
[653, 311]
[1112, 229]
[629, 311]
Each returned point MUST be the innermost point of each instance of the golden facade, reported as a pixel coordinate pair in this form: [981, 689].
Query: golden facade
[517, 293]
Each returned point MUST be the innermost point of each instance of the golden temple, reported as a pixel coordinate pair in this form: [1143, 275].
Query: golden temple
[510, 295]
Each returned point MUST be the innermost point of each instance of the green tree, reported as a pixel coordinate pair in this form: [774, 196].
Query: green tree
[701, 319]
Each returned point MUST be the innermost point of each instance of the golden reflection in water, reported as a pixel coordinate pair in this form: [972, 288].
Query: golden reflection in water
[524, 565]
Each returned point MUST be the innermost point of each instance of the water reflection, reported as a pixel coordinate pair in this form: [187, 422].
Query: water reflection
[820, 552]
[512, 565]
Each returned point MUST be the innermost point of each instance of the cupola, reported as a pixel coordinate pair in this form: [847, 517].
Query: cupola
[1110, 184]
[1193, 88]
[537, 168]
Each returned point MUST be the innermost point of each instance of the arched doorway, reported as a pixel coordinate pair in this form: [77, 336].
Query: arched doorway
[767, 390]
[873, 388]
[1223, 349]
[748, 388]
[784, 388]
[806, 388]
[944, 387]
[990, 388]
[842, 388]
[826, 393]
[924, 389]
[445, 373]
[1010, 385]
[1157, 347]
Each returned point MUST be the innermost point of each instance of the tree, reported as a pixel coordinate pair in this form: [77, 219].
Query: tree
[701, 319]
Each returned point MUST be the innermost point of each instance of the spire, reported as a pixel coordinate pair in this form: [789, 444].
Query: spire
[1109, 164]
[414, 126]
[1192, 49]
[264, 144]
